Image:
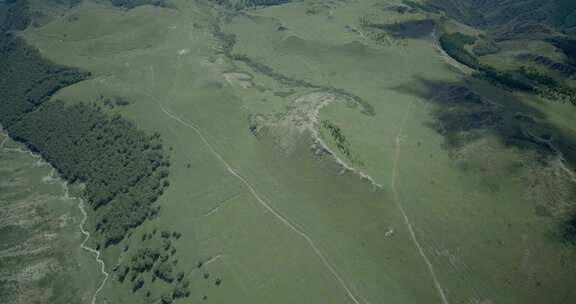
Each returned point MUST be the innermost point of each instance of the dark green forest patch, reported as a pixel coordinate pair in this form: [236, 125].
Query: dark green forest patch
[454, 45]
[410, 29]
[16, 16]
[241, 4]
[530, 80]
[122, 168]
[565, 69]
[523, 79]
[569, 230]
[129, 4]
[509, 80]
[340, 140]
[27, 80]
[567, 46]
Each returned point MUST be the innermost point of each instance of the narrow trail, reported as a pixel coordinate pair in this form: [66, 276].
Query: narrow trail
[67, 197]
[400, 206]
[255, 194]
[91, 250]
[3, 140]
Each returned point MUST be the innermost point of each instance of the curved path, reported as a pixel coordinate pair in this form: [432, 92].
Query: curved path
[91, 250]
[80, 206]
[255, 194]
[400, 206]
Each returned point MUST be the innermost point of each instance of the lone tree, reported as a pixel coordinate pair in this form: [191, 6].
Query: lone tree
[138, 284]
[180, 292]
[166, 299]
[164, 272]
[123, 271]
[180, 276]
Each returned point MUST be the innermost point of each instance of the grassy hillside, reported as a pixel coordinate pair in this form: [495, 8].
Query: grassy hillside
[320, 152]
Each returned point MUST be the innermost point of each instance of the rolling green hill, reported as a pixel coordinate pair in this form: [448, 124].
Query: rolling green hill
[246, 151]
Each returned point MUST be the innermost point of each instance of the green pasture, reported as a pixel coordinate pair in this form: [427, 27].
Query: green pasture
[282, 224]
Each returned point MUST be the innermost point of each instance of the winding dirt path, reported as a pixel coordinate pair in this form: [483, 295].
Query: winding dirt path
[400, 206]
[256, 195]
[67, 197]
[89, 249]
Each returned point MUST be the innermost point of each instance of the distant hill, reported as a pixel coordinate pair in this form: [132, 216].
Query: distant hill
[525, 15]
[240, 4]
[128, 4]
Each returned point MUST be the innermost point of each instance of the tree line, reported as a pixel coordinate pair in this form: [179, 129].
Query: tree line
[129, 4]
[241, 4]
[123, 169]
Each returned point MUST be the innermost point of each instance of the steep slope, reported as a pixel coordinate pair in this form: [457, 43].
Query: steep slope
[513, 14]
